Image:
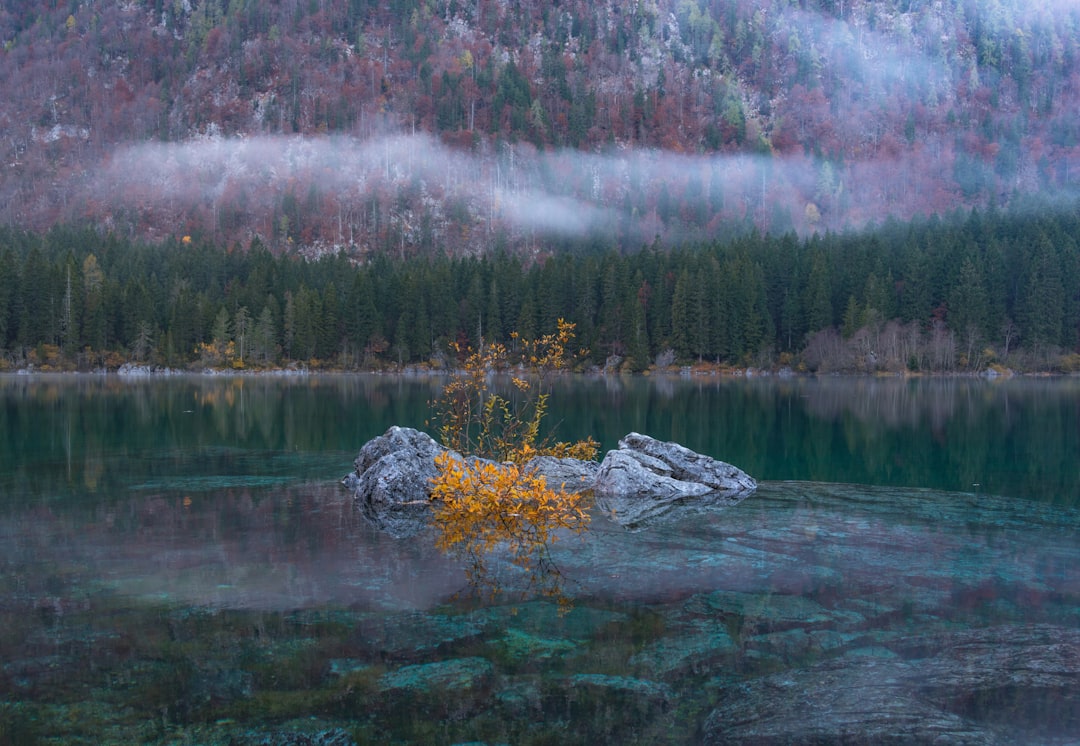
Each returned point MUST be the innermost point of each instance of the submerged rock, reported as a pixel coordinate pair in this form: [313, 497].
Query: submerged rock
[1016, 677]
[865, 701]
[412, 634]
[453, 675]
[520, 647]
[642, 479]
[452, 689]
[625, 687]
[693, 652]
[329, 737]
[998, 685]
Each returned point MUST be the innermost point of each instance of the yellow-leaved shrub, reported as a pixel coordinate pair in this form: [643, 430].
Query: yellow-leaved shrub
[482, 504]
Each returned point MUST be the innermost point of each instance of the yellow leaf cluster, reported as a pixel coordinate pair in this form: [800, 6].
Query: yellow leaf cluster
[548, 353]
[583, 450]
[218, 353]
[481, 505]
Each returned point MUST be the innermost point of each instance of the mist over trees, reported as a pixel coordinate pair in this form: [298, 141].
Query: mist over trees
[686, 120]
[961, 294]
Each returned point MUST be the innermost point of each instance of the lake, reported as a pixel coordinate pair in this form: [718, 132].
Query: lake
[181, 565]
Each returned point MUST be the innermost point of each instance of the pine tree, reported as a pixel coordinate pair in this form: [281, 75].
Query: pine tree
[361, 315]
[264, 337]
[9, 282]
[968, 311]
[1042, 303]
[329, 326]
[638, 347]
[221, 333]
[818, 295]
[680, 315]
[241, 331]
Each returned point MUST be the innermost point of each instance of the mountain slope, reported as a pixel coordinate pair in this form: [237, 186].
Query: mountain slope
[413, 126]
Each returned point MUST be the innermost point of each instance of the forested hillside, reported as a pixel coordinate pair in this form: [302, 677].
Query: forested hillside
[991, 289]
[445, 126]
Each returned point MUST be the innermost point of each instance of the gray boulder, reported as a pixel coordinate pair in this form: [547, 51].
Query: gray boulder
[641, 480]
[636, 475]
[392, 480]
[688, 466]
[645, 477]
[573, 475]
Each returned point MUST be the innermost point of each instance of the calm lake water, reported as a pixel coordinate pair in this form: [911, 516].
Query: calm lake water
[180, 565]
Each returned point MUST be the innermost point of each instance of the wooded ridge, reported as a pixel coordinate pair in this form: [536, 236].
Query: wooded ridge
[420, 127]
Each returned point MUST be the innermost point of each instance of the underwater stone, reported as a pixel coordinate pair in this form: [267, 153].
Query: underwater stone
[446, 690]
[523, 647]
[549, 619]
[866, 700]
[1026, 673]
[794, 644]
[695, 652]
[995, 685]
[341, 667]
[412, 633]
[618, 701]
[520, 696]
[772, 612]
[641, 688]
[222, 685]
[329, 737]
[452, 675]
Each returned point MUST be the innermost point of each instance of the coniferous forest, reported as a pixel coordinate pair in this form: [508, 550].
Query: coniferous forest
[971, 292]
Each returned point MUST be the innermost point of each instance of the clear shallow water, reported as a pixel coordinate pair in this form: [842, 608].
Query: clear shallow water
[180, 565]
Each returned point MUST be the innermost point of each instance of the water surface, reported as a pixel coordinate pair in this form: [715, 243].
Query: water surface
[180, 565]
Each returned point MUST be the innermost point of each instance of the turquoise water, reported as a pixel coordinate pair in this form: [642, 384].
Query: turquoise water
[179, 565]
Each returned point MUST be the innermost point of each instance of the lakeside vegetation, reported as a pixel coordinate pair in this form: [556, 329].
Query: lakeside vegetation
[980, 290]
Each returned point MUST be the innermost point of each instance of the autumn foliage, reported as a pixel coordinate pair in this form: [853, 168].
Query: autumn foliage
[811, 116]
[483, 504]
[486, 493]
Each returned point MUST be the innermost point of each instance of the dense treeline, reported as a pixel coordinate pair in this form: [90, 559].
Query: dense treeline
[981, 289]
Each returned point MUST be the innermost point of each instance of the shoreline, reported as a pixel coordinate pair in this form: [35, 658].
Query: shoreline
[138, 372]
